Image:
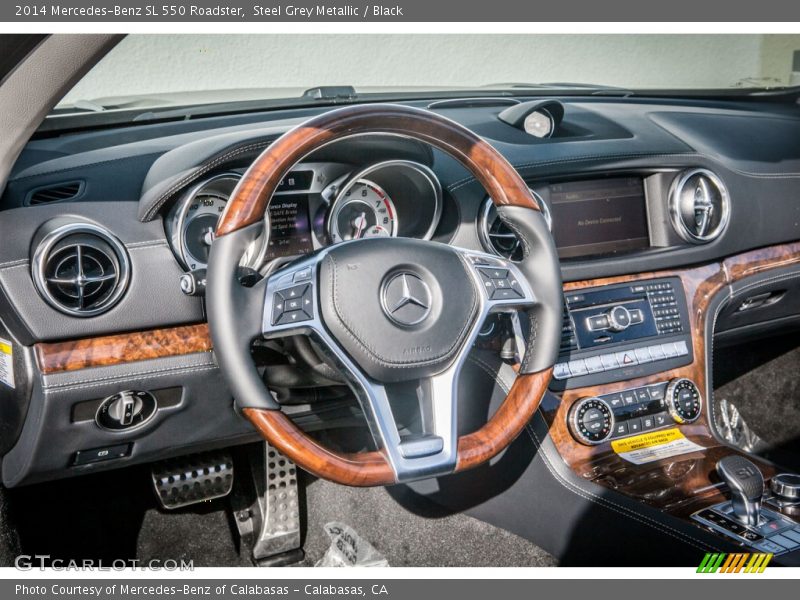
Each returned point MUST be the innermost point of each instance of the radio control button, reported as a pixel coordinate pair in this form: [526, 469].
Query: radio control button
[610, 362]
[670, 351]
[577, 368]
[643, 355]
[594, 364]
[561, 371]
[598, 322]
[637, 317]
[619, 318]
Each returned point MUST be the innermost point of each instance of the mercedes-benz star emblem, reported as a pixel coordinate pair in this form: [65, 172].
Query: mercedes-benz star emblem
[406, 299]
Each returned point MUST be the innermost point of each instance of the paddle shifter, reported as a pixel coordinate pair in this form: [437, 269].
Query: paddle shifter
[746, 484]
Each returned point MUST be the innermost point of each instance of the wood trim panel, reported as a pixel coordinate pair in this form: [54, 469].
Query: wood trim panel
[680, 485]
[361, 470]
[123, 348]
[502, 182]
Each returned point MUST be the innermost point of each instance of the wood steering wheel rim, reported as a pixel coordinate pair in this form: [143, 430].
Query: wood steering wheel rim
[503, 184]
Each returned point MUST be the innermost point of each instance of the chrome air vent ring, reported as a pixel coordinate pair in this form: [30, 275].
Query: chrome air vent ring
[81, 269]
[498, 238]
[699, 206]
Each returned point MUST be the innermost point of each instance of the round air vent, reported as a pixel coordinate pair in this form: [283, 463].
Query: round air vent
[81, 269]
[497, 237]
[699, 206]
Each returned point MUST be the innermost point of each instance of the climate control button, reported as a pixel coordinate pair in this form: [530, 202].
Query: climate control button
[591, 420]
[683, 400]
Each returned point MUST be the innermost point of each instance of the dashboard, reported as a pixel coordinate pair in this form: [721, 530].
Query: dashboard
[637, 193]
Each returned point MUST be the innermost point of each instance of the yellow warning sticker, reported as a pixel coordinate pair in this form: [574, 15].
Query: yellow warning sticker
[6, 363]
[649, 447]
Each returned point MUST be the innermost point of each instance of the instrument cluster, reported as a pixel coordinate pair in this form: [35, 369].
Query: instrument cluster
[315, 205]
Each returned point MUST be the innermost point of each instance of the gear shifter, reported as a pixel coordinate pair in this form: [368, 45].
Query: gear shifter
[746, 484]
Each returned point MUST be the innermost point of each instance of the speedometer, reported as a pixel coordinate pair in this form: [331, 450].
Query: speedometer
[363, 210]
[200, 224]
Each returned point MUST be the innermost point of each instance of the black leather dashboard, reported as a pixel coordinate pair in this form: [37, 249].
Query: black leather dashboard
[129, 178]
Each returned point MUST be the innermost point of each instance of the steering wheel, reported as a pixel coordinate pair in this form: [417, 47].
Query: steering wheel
[396, 316]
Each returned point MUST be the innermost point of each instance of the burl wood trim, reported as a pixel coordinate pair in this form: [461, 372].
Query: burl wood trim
[360, 470]
[487, 165]
[123, 348]
[373, 468]
[685, 483]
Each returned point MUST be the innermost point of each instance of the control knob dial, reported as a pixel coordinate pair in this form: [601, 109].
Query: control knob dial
[591, 420]
[684, 401]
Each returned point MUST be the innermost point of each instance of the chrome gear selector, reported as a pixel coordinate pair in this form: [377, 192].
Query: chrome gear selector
[746, 484]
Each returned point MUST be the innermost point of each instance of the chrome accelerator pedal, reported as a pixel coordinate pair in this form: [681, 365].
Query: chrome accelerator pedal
[192, 479]
[269, 524]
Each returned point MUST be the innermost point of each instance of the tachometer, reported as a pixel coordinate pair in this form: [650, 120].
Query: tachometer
[362, 210]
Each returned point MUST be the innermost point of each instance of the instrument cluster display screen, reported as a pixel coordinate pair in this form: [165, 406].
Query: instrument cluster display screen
[600, 216]
[290, 226]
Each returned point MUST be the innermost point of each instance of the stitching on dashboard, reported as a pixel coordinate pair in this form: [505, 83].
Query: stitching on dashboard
[145, 244]
[489, 370]
[51, 390]
[11, 264]
[610, 504]
[102, 380]
[201, 170]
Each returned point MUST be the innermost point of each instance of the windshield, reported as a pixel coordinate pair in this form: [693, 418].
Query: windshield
[146, 71]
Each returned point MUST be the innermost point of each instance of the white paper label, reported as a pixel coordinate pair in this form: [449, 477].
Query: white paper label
[6, 363]
[645, 455]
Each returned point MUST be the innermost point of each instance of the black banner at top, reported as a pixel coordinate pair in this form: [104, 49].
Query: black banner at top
[71, 11]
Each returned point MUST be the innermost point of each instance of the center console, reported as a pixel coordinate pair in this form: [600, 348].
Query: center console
[630, 409]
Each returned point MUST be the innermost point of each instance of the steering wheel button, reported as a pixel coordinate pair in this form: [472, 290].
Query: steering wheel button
[294, 292]
[294, 316]
[505, 294]
[302, 275]
[495, 273]
[278, 306]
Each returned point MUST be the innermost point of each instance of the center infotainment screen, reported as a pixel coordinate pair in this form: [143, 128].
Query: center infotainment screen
[599, 216]
[290, 232]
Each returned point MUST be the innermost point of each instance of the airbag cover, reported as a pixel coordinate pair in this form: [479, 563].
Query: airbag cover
[401, 308]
